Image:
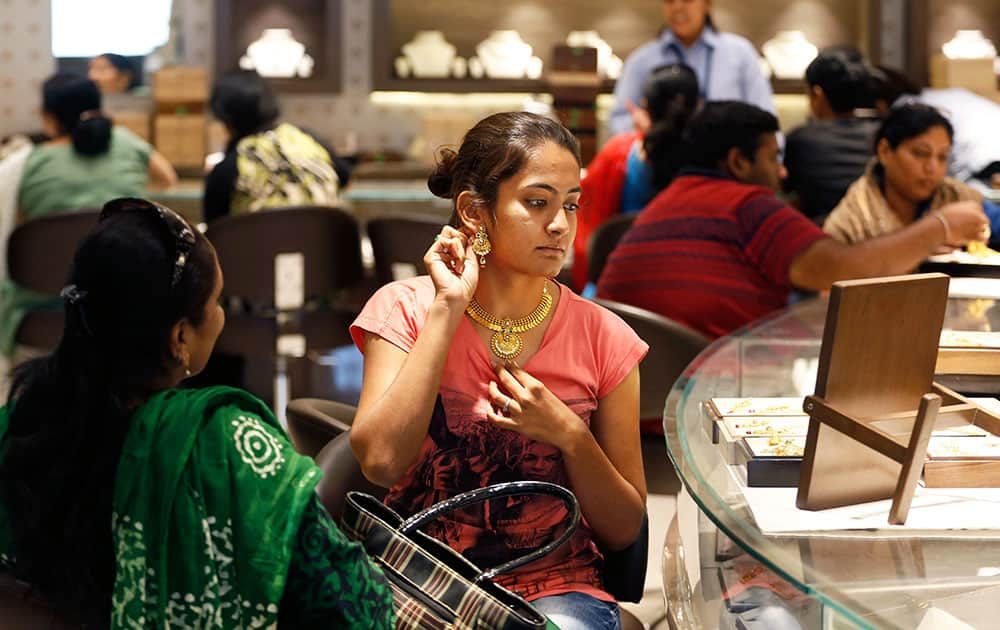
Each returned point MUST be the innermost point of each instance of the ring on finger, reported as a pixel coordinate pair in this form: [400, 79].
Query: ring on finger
[506, 406]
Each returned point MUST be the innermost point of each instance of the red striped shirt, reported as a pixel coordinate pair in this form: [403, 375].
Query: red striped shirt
[710, 252]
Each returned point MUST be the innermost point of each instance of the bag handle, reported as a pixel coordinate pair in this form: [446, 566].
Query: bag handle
[498, 491]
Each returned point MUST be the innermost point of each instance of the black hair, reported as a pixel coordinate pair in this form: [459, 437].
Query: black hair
[909, 121]
[75, 103]
[888, 84]
[723, 125]
[70, 410]
[493, 151]
[124, 65]
[244, 101]
[671, 94]
[843, 78]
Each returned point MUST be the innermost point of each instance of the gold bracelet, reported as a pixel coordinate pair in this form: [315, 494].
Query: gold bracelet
[944, 223]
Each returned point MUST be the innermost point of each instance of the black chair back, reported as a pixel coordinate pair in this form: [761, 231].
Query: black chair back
[248, 244]
[313, 422]
[603, 241]
[328, 239]
[39, 255]
[341, 474]
[400, 240]
[20, 609]
[672, 346]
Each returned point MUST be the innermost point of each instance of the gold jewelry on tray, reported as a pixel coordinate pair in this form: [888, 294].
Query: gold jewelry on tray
[506, 343]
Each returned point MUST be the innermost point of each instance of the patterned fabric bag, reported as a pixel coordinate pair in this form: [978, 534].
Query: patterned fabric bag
[433, 586]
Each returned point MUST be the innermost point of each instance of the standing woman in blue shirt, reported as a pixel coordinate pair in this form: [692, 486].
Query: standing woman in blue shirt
[727, 65]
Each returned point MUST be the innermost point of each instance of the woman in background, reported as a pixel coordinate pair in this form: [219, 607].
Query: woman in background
[633, 166]
[267, 164]
[113, 73]
[86, 162]
[906, 179]
[129, 503]
[727, 65]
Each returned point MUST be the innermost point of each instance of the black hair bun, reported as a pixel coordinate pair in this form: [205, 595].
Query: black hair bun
[441, 179]
[92, 136]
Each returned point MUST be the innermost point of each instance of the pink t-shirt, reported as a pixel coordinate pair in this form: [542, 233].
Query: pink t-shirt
[587, 351]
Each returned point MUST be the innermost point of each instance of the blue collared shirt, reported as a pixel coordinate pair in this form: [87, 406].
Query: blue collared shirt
[727, 65]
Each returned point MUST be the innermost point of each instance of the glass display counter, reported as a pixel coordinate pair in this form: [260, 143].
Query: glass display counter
[721, 570]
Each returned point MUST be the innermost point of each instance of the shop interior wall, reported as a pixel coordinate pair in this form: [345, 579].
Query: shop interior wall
[26, 60]
[946, 16]
[349, 117]
[623, 24]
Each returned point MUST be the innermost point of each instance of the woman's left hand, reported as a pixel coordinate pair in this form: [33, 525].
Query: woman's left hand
[527, 406]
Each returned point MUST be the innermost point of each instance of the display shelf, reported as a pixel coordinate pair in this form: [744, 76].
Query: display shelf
[885, 578]
[625, 26]
[315, 23]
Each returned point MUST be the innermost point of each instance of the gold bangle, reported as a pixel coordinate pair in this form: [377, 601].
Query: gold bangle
[944, 223]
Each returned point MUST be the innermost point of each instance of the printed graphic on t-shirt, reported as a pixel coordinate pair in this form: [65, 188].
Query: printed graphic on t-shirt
[465, 451]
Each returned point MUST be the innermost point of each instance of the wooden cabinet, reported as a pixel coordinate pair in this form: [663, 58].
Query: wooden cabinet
[314, 23]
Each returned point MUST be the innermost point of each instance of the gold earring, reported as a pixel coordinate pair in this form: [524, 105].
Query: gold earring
[481, 244]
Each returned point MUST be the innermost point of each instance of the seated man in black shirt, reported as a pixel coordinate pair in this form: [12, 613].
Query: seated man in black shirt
[827, 154]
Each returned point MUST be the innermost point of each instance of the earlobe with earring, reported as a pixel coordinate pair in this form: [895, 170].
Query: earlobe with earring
[481, 245]
[183, 360]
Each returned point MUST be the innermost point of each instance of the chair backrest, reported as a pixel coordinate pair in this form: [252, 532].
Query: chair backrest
[313, 422]
[40, 251]
[341, 474]
[603, 241]
[672, 346]
[19, 609]
[328, 239]
[400, 240]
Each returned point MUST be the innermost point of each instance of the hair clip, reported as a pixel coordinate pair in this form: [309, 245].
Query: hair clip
[72, 294]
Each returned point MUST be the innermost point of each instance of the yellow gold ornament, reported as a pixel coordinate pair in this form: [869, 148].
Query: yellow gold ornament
[505, 342]
[481, 245]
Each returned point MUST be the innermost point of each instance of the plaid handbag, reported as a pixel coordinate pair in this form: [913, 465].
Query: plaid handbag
[433, 586]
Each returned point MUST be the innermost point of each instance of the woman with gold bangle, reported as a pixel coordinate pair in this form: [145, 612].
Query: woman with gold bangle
[906, 180]
[489, 358]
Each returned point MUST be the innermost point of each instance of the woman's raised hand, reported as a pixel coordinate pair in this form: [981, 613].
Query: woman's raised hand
[966, 222]
[452, 266]
[524, 404]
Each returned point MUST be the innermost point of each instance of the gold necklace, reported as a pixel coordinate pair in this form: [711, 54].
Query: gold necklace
[506, 343]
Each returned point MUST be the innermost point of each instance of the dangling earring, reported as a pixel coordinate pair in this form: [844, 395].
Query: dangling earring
[481, 245]
[183, 360]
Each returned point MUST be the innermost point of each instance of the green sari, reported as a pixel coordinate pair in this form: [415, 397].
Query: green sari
[209, 499]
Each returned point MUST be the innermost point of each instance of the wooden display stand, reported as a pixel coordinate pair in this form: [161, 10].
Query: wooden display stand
[180, 96]
[875, 403]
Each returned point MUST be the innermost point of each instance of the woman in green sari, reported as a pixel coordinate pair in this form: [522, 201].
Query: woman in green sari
[125, 501]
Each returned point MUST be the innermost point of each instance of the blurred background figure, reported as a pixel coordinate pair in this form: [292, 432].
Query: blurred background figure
[727, 65]
[826, 155]
[113, 73]
[85, 163]
[907, 179]
[267, 163]
[632, 166]
[975, 151]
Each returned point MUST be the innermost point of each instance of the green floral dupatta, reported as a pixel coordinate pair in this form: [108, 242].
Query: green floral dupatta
[204, 473]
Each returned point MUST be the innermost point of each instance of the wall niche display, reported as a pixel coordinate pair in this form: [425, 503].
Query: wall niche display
[614, 28]
[295, 43]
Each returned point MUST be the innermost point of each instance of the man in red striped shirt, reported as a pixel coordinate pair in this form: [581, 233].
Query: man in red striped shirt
[716, 249]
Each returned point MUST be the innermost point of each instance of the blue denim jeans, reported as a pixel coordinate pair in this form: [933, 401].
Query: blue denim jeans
[577, 611]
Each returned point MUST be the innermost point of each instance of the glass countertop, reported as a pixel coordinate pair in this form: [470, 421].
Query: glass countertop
[873, 578]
